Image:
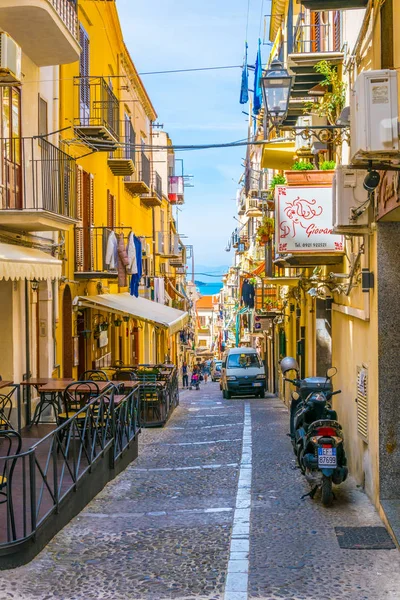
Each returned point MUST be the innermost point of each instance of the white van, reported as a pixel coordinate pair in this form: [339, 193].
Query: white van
[242, 374]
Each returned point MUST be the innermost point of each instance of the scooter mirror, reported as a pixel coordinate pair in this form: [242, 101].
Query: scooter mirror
[331, 372]
[295, 395]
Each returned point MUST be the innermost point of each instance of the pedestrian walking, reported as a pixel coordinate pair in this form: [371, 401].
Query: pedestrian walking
[185, 377]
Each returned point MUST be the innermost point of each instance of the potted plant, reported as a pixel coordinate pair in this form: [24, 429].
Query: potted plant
[303, 173]
[277, 179]
[327, 165]
[266, 230]
[117, 322]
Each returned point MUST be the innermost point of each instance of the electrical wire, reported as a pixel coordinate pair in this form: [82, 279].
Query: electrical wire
[190, 70]
[247, 19]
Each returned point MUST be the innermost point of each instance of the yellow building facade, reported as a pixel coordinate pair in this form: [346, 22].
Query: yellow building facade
[77, 166]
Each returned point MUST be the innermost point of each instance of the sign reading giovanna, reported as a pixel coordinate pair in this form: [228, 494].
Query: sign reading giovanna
[304, 220]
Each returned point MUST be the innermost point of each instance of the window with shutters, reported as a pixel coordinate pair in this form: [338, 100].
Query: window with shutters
[130, 138]
[362, 402]
[337, 33]
[87, 219]
[315, 31]
[84, 89]
[111, 211]
[79, 213]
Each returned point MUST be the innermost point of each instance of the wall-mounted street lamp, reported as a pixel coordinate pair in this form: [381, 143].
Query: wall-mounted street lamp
[276, 84]
[34, 285]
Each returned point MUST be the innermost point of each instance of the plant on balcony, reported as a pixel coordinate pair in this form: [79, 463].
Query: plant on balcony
[302, 166]
[277, 179]
[334, 99]
[327, 165]
[117, 322]
[266, 230]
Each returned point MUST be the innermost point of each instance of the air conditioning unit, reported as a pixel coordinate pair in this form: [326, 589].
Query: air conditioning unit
[352, 212]
[10, 60]
[374, 117]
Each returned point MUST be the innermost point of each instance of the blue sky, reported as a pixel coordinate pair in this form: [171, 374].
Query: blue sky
[200, 107]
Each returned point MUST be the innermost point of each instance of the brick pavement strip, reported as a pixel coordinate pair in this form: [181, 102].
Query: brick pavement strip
[166, 527]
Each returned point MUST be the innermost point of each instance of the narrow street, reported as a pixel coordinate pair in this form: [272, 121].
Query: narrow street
[167, 526]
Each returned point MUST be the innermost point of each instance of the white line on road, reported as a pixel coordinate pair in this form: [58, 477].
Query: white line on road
[237, 578]
[158, 513]
[195, 443]
[195, 468]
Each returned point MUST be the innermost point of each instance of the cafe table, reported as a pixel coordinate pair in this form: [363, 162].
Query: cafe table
[37, 382]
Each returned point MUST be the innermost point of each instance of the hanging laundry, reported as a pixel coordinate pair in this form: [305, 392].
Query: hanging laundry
[122, 261]
[136, 277]
[248, 294]
[111, 259]
[131, 252]
[244, 90]
[257, 101]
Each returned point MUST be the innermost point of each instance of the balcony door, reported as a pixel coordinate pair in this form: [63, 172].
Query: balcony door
[10, 172]
[84, 240]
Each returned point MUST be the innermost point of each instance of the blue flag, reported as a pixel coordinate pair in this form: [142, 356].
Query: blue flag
[257, 86]
[244, 90]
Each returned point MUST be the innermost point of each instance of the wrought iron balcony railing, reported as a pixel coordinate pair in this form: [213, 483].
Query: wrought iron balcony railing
[312, 35]
[93, 252]
[98, 123]
[36, 176]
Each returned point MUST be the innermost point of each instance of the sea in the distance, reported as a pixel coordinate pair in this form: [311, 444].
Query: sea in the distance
[209, 289]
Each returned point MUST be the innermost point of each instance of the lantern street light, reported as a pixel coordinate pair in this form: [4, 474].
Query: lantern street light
[276, 84]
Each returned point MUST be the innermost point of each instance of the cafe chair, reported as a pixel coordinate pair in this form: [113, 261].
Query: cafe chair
[5, 412]
[125, 375]
[94, 375]
[10, 447]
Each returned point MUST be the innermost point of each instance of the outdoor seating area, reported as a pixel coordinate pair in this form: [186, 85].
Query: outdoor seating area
[79, 435]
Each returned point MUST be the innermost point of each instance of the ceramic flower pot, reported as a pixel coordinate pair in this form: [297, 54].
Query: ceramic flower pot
[309, 178]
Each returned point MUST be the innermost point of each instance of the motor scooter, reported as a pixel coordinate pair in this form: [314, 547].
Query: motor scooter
[316, 435]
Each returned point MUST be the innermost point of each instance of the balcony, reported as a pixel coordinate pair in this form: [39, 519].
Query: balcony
[255, 207]
[98, 124]
[154, 196]
[140, 182]
[91, 245]
[46, 30]
[37, 186]
[168, 246]
[176, 189]
[122, 161]
[313, 40]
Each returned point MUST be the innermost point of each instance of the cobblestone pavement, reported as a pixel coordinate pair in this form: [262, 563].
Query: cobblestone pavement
[163, 528]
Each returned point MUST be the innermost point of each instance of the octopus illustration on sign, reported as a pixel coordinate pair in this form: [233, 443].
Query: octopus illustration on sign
[304, 220]
[299, 212]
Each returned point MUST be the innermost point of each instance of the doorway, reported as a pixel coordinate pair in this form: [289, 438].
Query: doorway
[67, 333]
[323, 336]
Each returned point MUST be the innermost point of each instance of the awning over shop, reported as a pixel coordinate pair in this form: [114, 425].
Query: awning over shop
[140, 308]
[278, 155]
[259, 270]
[18, 262]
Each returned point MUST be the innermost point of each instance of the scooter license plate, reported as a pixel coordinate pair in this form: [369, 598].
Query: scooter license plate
[327, 457]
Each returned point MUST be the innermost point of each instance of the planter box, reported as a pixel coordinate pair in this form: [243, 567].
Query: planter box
[309, 178]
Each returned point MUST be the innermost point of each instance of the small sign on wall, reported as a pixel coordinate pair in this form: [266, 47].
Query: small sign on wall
[103, 339]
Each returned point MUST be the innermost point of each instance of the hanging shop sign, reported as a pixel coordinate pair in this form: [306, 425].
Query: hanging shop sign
[388, 196]
[304, 221]
[262, 323]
